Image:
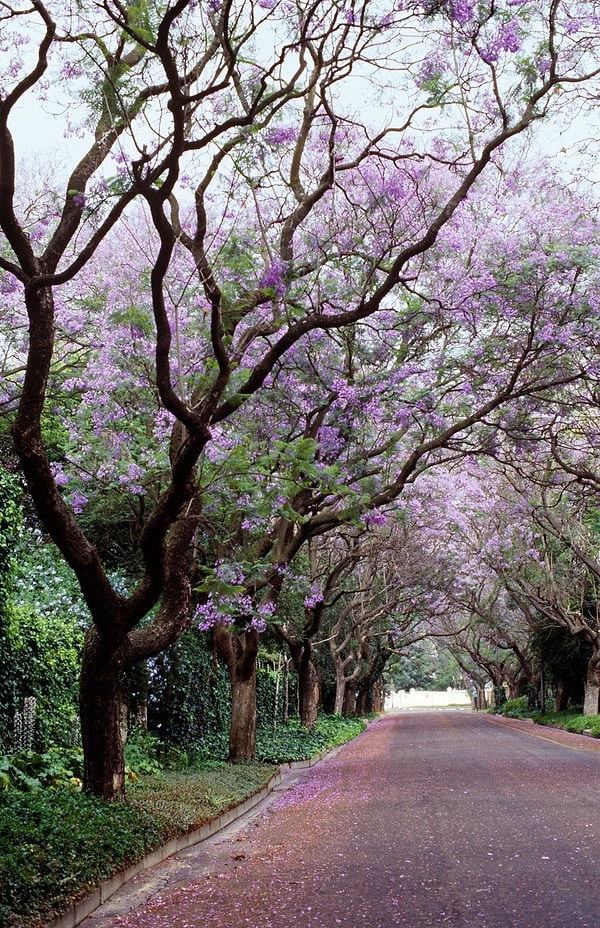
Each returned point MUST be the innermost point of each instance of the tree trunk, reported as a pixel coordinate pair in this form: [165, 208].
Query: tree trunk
[349, 706]
[515, 688]
[308, 685]
[239, 650]
[370, 679]
[481, 701]
[363, 699]
[286, 692]
[563, 692]
[308, 680]
[100, 708]
[242, 734]
[378, 695]
[340, 690]
[591, 705]
[301, 654]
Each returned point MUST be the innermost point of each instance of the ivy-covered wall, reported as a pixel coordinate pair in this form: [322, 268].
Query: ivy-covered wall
[188, 694]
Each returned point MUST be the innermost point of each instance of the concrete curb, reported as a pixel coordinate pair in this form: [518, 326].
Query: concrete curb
[86, 906]
[546, 731]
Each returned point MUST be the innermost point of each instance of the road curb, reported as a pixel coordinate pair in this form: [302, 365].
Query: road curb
[547, 732]
[86, 906]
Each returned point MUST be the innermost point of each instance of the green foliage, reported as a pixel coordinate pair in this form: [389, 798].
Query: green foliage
[39, 656]
[515, 708]
[572, 722]
[112, 521]
[41, 636]
[27, 770]
[142, 752]
[270, 696]
[11, 520]
[213, 746]
[423, 665]
[565, 659]
[438, 87]
[291, 742]
[189, 699]
[56, 845]
[188, 695]
[499, 696]
[581, 723]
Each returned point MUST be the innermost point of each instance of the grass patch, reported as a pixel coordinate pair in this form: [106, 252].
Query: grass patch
[182, 801]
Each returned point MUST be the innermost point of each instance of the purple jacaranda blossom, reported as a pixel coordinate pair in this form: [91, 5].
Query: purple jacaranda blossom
[78, 501]
[282, 135]
[273, 278]
[374, 517]
[462, 11]
[314, 596]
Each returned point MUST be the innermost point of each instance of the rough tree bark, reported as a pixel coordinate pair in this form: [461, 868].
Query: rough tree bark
[308, 686]
[591, 704]
[102, 668]
[370, 678]
[239, 650]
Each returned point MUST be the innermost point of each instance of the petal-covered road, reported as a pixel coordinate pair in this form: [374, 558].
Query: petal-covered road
[427, 820]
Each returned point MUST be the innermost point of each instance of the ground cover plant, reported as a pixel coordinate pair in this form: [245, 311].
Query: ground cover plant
[571, 721]
[57, 843]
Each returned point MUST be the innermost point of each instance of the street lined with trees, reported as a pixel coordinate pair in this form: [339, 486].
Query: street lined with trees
[299, 346]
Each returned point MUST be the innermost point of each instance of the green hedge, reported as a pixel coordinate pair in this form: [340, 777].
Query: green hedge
[291, 742]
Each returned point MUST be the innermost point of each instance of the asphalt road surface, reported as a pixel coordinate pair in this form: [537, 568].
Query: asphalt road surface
[427, 820]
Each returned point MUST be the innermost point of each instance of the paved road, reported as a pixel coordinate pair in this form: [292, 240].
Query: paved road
[427, 820]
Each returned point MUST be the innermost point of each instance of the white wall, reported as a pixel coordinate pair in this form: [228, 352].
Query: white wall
[427, 699]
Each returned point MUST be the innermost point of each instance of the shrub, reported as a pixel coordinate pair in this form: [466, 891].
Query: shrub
[142, 752]
[580, 723]
[291, 742]
[28, 771]
[516, 708]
